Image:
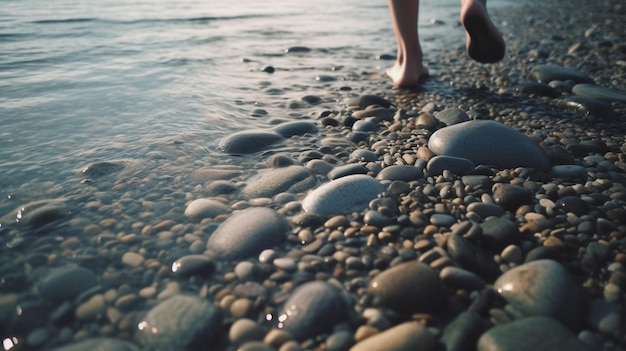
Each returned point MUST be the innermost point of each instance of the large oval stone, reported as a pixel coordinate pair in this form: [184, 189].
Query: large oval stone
[66, 283]
[543, 288]
[532, 333]
[180, 323]
[411, 287]
[345, 194]
[313, 308]
[248, 142]
[247, 233]
[489, 143]
[293, 179]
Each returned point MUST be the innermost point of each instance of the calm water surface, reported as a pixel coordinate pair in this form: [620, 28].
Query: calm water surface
[90, 81]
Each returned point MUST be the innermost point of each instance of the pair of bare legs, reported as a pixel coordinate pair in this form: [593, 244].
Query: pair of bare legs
[483, 41]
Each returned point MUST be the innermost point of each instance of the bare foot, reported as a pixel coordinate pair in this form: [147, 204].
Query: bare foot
[483, 40]
[404, 75]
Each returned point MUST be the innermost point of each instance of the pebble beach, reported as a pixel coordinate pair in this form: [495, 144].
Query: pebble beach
[485, 210]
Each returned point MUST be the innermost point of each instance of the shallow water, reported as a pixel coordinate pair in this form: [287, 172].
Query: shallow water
[88, 81]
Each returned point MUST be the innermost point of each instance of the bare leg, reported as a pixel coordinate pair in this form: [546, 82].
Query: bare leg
[483, 41]
[409, 68]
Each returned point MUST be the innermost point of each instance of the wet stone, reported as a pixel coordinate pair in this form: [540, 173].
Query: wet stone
[499, 233]
[549, 72]
[456, 165]
[193, 264]
[293, 179]
[543, 288]
[442, 220]
[180, 323]
[221, 187]
[381, 113]
[411, 287]
[400, 172]
[247, 142]
[345, 170]
[365, 126]
[600, 93]
[604, 316]
[363, 155]
[313, 309]
[572, 204]
[471, 257]
[569, 172]
[366, 100]
[485, 209]
[346, 194]
[538, 89]
[487, 142]
[587, 106]
[459, 278]
[532, 333]
[66, 283]
[377, 219]
[464, 330]
[101, 169]
[451, 116]
[37, 213]
[247, 233]
[289, 129]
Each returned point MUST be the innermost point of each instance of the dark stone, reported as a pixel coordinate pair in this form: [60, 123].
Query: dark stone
[366, 100]
[511, 197]
[297, 49]
[66, 283]
[247, 233]
[539, 89]
[290, 129]
[312, 99]
[464, 331]
[100, 169]
[543, 252]
[400, 172]
[572, 204]
[345, 170]
[532, 333]
[411, 287]
[313, 308]
[488, 142]
[247, 142]
[180, 323]
[498, 233]
[471, 257]
[587, 106]
[456, 165]
[452, 115]
[549, 72]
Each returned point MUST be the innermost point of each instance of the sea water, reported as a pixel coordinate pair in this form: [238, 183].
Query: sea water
[79, 77]
[85, 81]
